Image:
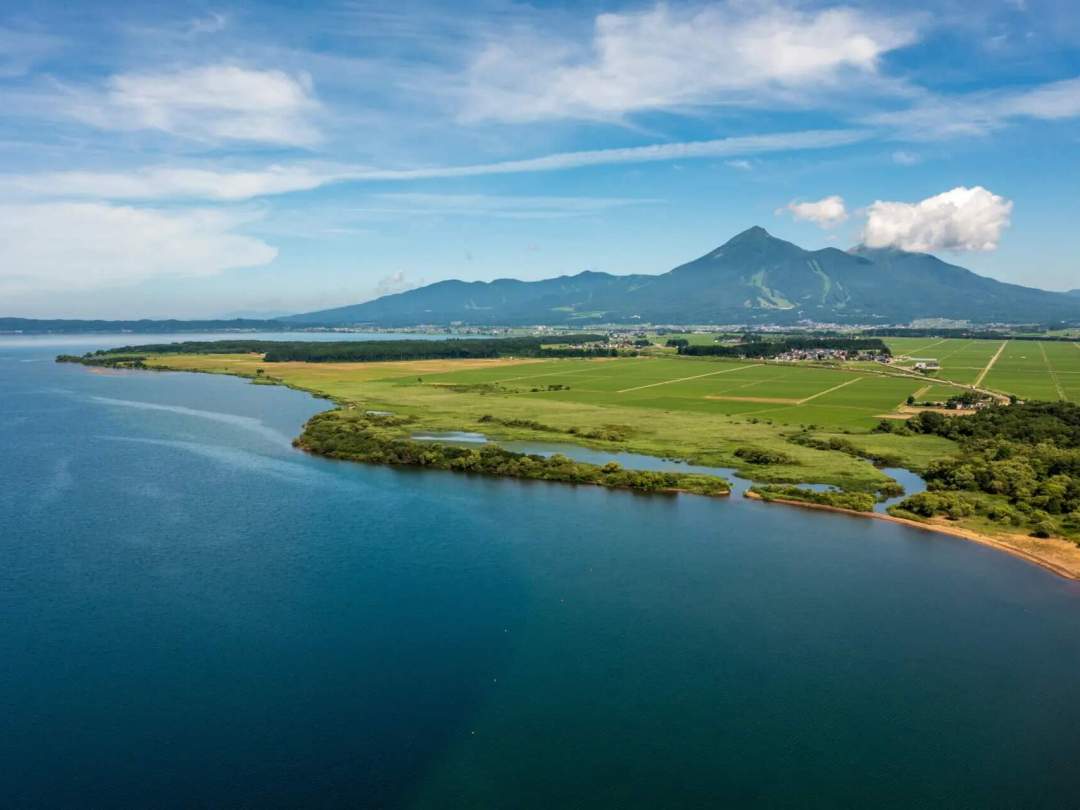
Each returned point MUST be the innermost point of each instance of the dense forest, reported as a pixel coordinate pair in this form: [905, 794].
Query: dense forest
[355, 437]
[359, 351]
[1025, 457]
[774, 348]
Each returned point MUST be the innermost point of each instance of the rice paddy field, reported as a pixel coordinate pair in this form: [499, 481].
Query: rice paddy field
[789, 394]
[1030, 369]
[1038, 370]
[854, 397]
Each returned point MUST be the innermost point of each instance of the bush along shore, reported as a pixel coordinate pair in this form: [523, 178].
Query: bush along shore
[1018, 469]
[855, 501]
[342, 434]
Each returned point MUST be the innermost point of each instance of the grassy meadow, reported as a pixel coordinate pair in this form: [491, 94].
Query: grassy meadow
[699, 409]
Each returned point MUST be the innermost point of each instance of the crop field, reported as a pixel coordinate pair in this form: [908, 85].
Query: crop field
[962, 361]
[1038, 370]
[782, 393]
[1047, 370]
[693, 338]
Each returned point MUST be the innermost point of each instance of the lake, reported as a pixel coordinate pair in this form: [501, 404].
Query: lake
[195, 614]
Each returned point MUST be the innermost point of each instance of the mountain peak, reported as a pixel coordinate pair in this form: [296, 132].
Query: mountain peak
[754, 233]
[754, 277]
[753, 241]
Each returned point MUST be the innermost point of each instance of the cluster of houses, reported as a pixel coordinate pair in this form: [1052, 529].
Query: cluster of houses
[834, 354]
[925, 364]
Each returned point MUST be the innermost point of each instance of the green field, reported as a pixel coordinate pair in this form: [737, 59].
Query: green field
[789, 394]
[1046, 370]
[693, 338]
[1038, 370]
[703, 410]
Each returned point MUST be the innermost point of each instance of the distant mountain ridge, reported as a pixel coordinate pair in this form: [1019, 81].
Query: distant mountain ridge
[752, 278]
[144, 326]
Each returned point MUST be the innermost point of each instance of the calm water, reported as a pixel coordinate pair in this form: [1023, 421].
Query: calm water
[194, 614]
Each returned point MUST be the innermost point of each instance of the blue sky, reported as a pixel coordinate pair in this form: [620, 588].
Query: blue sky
[202, 159]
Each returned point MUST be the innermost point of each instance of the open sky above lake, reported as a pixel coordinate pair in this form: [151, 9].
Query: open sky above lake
[210, 159]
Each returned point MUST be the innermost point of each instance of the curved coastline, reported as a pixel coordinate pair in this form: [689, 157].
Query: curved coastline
[1066, 571]
[939, 528]
[1069, 570]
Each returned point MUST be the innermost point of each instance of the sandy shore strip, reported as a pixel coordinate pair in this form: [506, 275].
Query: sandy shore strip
[1053, 554]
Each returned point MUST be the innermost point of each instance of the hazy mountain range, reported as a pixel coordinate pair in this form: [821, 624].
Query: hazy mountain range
[752, 278]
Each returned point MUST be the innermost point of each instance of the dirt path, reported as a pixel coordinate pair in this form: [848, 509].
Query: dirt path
[770, 400]
[990, 365]
[1053, 374]
[912, 352]
[829, 390]
[684, 379]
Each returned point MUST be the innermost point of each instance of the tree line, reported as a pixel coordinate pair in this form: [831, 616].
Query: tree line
[342, 435]
[1018, 465]
[774, 348]
[360, 351]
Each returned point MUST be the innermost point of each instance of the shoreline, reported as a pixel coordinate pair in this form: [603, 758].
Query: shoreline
[953, 531]
[1067, 570]
[299, 445]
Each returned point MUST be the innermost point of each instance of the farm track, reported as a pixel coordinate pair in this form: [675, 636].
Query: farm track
[1053, 375]
[830, 390]
[684, 379]
[990, 365]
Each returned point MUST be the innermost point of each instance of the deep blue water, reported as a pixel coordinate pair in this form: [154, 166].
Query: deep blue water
[194, 614]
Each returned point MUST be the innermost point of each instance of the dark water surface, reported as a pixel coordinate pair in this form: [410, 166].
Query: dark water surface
[194, 614]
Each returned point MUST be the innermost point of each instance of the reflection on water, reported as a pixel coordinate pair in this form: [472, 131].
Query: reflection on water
[452, 437]
[911, 482]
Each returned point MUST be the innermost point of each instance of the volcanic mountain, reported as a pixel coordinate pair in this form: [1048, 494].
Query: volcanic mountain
[752, 278]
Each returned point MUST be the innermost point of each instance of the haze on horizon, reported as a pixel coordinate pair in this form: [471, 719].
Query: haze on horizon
[209, 159]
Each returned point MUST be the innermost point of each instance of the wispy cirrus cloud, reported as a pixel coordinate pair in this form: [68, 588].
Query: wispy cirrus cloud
[229, 185]
[220, 102]
[679, 56]
[497, 206]
[174, 182]
[977, 114]
[21, 50]
[211, 23]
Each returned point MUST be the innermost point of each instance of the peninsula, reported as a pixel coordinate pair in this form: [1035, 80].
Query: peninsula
[811, 431]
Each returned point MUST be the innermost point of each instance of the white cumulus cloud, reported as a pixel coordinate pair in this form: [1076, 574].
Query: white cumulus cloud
[69, 246]
[827, 212]
[960, 219]
[675, 56]
[214, 102]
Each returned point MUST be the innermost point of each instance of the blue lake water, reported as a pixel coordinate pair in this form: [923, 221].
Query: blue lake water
[195, 614]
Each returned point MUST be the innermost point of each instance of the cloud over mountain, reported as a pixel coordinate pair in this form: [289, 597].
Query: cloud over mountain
[959, 219]
[827, 212]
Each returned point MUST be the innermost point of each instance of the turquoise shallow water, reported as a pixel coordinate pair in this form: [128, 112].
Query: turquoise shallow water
[194, 614]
